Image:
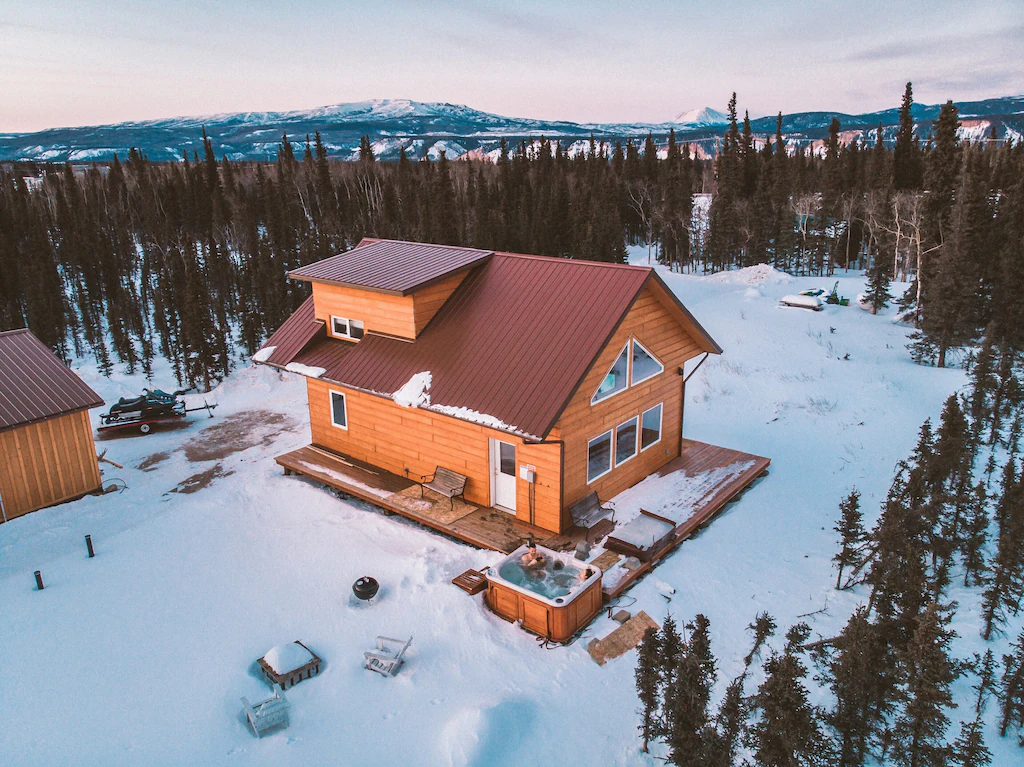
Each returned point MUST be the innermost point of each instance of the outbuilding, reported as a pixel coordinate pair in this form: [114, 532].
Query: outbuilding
[47, 452]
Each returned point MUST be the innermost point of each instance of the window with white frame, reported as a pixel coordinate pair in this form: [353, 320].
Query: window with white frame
[625, 441]
[617, 378]
[599, 456]
[339, 410]
[633, 366]
[346, 328]
[650, 427]
[644, 364]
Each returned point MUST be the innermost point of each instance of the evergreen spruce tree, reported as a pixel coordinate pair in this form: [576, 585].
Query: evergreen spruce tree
[878, 295]
[1011, 690]
[985, 669]
[787, 731]
[686, 702]
[943, 167]
[928, 673]
[852, 539]
[365, 150]
[648, 684]
[861, 676]
[975, 536]
[672, 650]
[1005, 588]
[983, 387]
[969, 749]
[907, 166]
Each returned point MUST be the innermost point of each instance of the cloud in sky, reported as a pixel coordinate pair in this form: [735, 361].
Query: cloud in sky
[103, 61]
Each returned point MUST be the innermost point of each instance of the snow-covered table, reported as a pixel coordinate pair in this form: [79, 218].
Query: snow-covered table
[289, 664]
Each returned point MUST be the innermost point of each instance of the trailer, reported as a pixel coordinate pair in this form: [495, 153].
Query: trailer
[153, 406]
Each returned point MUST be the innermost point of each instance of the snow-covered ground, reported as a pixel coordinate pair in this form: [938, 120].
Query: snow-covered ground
[140, 655]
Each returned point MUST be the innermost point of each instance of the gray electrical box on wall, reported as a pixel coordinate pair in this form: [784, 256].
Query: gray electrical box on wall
[527, 472]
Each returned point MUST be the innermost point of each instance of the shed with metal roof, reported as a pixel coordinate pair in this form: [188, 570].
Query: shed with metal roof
[47, 452]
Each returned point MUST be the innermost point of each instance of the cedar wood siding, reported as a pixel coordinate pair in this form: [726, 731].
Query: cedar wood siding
[47, 462]
[393, 315]
[427, 301]
[660, 333]
[412, 442]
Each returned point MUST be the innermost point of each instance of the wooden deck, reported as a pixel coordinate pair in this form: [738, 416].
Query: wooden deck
[698, 458]
[480, 526]
[490, 528]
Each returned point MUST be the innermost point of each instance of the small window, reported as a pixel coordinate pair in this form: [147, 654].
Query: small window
[650, 427]
[615, 381]
[339, 413]
[625, 441]
[599, 456]
[346, 328]
[507, 458]
[644, 364]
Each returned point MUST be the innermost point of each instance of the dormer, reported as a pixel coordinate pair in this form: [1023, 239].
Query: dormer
[389, 287]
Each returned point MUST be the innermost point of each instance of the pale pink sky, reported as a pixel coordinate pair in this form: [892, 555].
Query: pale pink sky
[104, 61]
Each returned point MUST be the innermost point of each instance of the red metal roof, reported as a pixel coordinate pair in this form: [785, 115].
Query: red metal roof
[391, 266]
[35, 384]
[297, 331]
[512, 342]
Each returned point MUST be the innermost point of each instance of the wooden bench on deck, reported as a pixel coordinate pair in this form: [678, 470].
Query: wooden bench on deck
[587, 512]
[445, 482]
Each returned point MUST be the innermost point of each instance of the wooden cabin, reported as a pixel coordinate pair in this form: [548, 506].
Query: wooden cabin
[47, 453]
[539, 379]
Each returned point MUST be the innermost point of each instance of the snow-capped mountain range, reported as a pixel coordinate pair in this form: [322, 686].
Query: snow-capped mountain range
[427, 129]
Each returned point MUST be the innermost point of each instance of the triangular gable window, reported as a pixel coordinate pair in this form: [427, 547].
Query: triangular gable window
[616, 380]
[644, 364]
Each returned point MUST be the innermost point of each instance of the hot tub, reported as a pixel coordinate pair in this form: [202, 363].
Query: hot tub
[550, 600]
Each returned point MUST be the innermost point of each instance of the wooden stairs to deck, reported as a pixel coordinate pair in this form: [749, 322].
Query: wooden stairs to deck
[471, 581]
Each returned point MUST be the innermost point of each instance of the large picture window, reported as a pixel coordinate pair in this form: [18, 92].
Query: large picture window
[599, 456]
[346, 328]
[644, 364]
[625, 441]
[650, 427]
[616, 380]
[339, 410]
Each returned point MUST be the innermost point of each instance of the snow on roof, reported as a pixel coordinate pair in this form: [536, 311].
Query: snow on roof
[307, 370]
[263, 354]
[415, 392]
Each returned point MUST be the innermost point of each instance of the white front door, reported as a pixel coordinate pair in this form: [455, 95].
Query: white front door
[503, 475]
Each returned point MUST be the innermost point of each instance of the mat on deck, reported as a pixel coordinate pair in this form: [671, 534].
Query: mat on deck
[432, 505]
[622, 640]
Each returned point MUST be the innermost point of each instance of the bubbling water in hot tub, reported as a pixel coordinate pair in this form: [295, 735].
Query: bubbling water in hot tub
[553, 579]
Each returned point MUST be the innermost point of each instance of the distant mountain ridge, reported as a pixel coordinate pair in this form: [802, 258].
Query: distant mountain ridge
[428, 128]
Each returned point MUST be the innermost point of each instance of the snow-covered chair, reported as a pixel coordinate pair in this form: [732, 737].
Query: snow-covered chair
[387, 660]
[266, 714]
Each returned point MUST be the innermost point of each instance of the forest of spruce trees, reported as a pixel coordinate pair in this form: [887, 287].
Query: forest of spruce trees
[187, 261]
[953, 516]
[952, 513]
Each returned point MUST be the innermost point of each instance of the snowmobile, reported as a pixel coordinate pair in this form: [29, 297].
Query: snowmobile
[151, 407]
